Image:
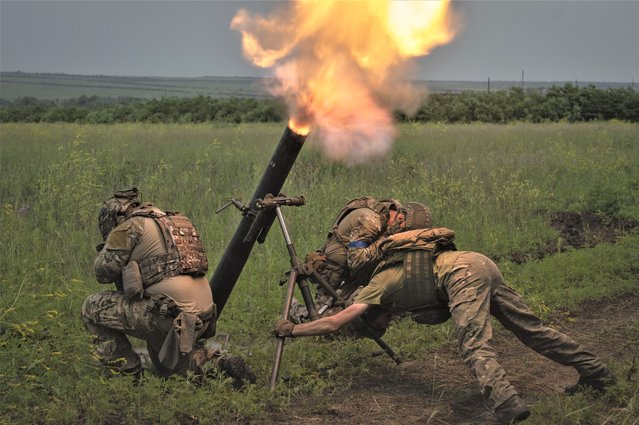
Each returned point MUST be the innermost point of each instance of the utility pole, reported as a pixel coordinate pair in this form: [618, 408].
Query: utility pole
[522, 79]
[488, 84]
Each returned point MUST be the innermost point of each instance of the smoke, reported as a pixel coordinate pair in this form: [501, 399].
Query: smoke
[341, 68]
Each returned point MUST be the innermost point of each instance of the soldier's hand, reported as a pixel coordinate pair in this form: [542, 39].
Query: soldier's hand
[283, 328]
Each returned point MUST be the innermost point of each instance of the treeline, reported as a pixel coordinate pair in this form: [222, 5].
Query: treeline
[97, 110]
[558, 103]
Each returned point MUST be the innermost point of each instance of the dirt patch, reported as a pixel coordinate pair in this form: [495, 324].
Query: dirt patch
[441, 390]
[578, 230]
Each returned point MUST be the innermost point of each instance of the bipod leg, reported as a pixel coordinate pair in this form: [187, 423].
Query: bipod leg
[279, 347]
[379, 341]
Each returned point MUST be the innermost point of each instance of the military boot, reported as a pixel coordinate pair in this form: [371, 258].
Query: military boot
[599, 381]
[511, 411]
[235, 367]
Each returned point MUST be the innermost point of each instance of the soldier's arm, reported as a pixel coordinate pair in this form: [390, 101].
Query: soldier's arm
[116, 253]
[362, 247]
[330, 324]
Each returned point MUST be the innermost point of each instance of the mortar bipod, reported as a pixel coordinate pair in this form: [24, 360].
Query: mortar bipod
[295, 276]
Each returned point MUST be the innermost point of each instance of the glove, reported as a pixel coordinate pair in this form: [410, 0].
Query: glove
[283, 328]
[99, 247]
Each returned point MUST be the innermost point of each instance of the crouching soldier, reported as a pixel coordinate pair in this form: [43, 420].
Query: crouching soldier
[423, 274]
[158, 265]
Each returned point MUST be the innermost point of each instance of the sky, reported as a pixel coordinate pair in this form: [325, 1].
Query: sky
[578, 40]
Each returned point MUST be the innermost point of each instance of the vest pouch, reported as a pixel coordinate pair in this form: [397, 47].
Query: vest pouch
[431, 315]
[132, 281]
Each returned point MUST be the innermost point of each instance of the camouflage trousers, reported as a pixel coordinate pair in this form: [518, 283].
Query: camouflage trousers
[475, 289]
[110, 317]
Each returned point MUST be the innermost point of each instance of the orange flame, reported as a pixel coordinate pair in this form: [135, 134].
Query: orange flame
[341, 65]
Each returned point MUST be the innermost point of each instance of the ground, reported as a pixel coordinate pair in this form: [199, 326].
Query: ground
[441, 390]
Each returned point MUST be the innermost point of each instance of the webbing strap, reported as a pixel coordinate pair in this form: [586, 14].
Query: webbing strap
[419, 280]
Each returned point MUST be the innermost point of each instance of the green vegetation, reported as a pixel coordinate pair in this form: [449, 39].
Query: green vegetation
[567, 103]
[491, 183]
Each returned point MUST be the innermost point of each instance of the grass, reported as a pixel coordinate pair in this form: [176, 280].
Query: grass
[487, 182]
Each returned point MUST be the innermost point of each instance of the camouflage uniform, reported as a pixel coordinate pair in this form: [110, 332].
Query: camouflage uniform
[473, 287]
[111, 317]
[174, 313]
[346, 268]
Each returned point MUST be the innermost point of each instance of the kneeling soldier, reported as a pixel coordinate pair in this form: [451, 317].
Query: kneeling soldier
[422, 273]
[158, 264]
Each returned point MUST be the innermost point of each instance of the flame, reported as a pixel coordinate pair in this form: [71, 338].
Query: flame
[342, 65]
[301, 129]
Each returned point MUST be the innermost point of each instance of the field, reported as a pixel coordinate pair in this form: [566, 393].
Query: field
[65, 86]
[556, 205]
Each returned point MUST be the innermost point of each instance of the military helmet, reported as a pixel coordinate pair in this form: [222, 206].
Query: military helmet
[417, 216]
[115, 209]
[391, 204]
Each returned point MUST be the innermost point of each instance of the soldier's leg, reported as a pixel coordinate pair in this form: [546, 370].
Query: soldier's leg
[469, 293]
[509, 308]
[111, 317]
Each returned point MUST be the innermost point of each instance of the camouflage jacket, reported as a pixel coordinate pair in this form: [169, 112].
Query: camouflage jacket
[120, 246]
[350, 250]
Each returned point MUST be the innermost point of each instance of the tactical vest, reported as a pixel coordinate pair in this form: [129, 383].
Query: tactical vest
[185, 253]
[379, 207]
[335, 271]
[416, 249]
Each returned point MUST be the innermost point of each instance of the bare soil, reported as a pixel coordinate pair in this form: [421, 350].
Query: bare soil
[441, 390]
[578, 230]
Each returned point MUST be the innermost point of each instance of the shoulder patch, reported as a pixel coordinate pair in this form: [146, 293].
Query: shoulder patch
[119, 237]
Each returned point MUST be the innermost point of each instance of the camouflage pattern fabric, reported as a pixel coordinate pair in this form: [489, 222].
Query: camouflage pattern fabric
[118, 248]
[111, 317]
[365, 228]
[345, 268]
[171, 331]
[185, 251]
[475, 289]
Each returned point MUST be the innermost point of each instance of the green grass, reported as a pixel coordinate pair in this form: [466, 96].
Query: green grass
[487, 182]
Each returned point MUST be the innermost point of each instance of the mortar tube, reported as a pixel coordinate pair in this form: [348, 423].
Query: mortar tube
[238, 250]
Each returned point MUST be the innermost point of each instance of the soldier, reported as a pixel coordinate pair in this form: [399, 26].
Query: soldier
[158, 264]
[423, 274]
[346, 261]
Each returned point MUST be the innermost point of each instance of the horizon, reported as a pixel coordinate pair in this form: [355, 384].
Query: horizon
[519, 81]
[550, 41]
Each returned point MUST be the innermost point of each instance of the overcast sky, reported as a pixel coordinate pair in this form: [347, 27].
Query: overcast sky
[550, 40]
